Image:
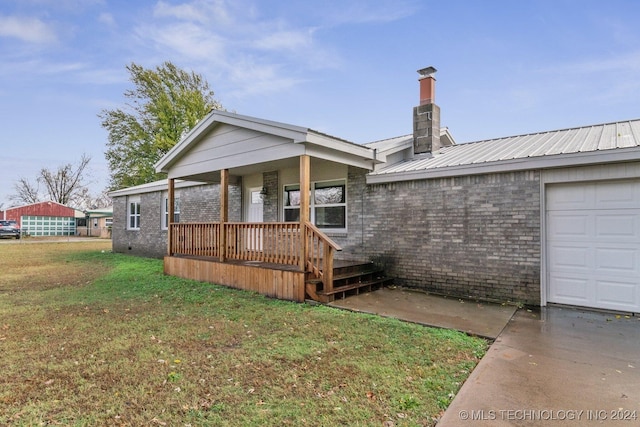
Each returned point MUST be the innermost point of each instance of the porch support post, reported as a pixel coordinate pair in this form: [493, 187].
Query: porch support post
[170, 211]
[224, 213]
[305, 171]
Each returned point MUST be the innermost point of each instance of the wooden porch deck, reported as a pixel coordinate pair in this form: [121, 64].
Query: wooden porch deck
[292, 261]
[280, 281]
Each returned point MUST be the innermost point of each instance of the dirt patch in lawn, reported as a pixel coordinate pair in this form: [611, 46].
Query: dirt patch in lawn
[35, 267]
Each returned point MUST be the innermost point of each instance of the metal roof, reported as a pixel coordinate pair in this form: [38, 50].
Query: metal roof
[390, 143]
[608, 137]
[400, 142]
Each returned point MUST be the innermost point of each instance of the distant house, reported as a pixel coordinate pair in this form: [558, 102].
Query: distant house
[96, 223]
[552, 217]
[44, 218]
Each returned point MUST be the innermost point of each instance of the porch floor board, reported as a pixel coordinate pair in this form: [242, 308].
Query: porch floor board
[337, 264]
[240, 262]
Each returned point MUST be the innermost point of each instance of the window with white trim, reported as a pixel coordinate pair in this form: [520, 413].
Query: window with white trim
[176, 212]
[133, 213]
[292, 203]
[328, 200]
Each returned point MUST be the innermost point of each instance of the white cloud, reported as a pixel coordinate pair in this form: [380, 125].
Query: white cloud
[30, 30]
[342, 12]
[65, 4]
[263, 78]
[291, 40]
[100, 76]
[610, 80]
[189, 40]
[30, 67]
[624, 63]
[238, 42]
[196, 11]
[107, 19]
[78, 72]
[57, 68]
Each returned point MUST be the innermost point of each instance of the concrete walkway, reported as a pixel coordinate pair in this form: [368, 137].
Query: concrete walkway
[479, 319]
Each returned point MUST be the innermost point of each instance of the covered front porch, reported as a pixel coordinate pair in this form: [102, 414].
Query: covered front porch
[288, 254]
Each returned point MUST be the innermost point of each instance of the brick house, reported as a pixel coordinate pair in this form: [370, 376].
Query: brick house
[552, 217]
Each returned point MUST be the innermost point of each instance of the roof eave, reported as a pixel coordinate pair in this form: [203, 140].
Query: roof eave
[348, 148]
[151, 187]
[400, 147]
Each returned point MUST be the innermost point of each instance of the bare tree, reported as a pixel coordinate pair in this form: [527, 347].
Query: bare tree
[101, 200]
[85, 200]
[26, 192]
[66, 186]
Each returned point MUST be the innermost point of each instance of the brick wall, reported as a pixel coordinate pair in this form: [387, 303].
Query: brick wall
[472, 236]
[270, 205]
[199, 203]
[150, 240]
[118, 243]
[202, 203]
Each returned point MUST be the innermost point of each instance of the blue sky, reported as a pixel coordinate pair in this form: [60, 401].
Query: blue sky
[343, 67]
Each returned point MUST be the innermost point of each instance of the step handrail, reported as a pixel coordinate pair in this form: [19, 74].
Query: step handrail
[319, 253]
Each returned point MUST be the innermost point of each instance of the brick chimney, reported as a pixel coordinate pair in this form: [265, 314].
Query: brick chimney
[426, 116]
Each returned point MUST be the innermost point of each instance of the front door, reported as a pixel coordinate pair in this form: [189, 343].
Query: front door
[254, 214]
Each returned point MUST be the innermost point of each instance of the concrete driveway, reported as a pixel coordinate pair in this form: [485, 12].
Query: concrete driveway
[559, 366]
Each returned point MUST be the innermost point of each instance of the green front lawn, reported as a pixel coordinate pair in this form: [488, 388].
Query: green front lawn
[88, 337]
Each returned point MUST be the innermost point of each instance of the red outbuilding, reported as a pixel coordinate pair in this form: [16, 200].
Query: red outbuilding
[44, 218]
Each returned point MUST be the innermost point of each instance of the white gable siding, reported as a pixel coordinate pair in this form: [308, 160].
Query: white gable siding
[227, 146]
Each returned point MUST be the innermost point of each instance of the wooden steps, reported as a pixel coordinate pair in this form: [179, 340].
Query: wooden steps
[349, 278]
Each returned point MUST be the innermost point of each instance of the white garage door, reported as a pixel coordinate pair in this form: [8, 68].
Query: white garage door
[593, 244]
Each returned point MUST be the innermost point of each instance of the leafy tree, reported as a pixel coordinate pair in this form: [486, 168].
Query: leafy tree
[66, 185]
[165, 103]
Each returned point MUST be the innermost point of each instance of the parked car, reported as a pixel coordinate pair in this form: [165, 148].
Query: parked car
[9, 228]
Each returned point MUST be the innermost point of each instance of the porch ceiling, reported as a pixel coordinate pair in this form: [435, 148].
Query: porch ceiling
[214, 176]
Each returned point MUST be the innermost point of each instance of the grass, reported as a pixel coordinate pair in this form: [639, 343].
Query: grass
[88, 338]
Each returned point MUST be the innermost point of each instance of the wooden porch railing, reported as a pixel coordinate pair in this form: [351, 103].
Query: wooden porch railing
[275, 242]
[272, 242]
[195, 238]
[320, 251]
